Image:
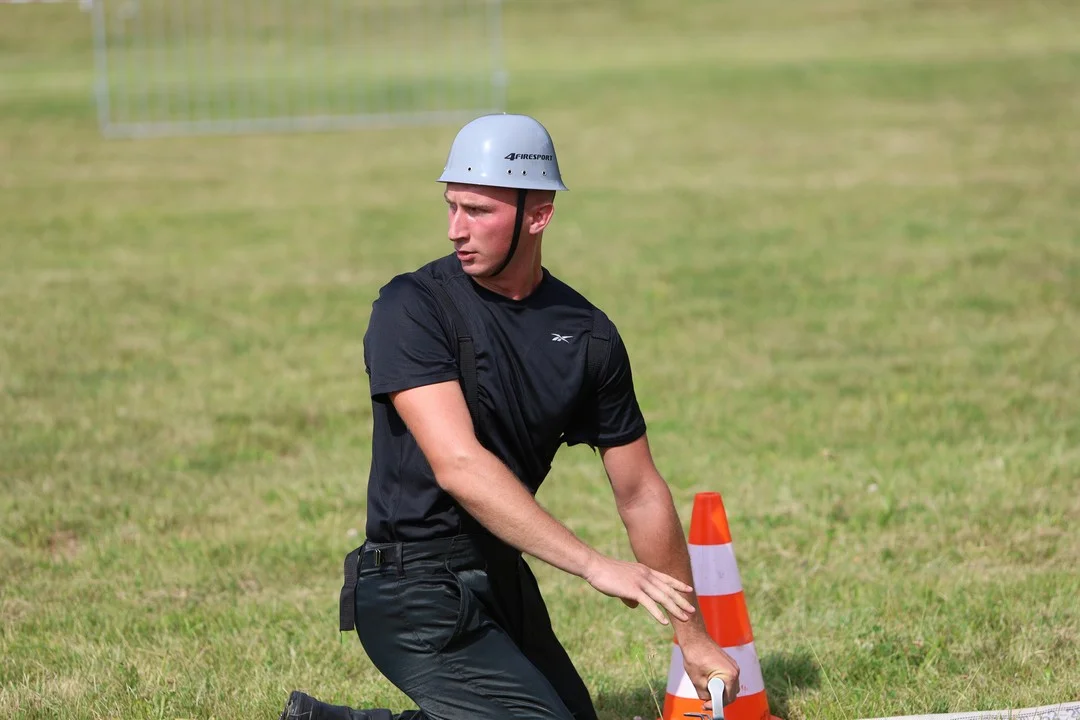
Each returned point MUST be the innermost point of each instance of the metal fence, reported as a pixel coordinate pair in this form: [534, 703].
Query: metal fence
[166, 67]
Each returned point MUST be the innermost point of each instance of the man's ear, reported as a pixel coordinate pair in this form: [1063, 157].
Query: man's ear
[539, 216]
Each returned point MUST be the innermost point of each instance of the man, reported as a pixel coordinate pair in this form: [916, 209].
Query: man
[464, 433]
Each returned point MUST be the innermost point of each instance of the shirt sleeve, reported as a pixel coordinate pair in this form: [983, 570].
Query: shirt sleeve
[406, 344]
[611, 416]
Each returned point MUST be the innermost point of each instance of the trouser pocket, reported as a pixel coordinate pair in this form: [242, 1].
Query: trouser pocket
[422, 612]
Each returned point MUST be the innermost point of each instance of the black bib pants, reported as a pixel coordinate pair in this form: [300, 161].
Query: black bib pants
[460, 627]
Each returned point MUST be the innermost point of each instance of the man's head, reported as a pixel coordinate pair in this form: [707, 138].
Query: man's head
[501, 177]
[481, 222]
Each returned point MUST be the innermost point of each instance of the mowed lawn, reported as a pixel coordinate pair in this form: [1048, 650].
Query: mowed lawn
[841, 239]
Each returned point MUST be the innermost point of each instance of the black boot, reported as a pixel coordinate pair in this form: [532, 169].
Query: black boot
[304, 707]
[299, 707]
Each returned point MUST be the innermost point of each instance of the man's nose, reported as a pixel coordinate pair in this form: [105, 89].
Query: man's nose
[456, 226]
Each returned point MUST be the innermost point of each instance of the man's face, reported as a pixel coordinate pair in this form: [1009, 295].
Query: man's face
[480, 224]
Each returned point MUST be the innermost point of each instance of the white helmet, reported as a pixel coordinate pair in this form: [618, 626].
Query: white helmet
[511, 151]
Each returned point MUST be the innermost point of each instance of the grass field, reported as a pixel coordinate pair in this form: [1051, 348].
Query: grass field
[840, 237]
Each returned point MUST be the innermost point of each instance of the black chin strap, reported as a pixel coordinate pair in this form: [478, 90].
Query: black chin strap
[517, 232]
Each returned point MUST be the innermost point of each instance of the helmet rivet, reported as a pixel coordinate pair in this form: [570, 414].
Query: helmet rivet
[524, 173]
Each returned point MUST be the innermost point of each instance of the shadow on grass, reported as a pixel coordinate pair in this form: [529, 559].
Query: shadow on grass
[785, 675]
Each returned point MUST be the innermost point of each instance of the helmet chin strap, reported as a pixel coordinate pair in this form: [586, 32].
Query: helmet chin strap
[521, 193]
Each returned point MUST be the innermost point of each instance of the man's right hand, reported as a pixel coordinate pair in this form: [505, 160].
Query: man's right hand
[703, 660]
[635, 583]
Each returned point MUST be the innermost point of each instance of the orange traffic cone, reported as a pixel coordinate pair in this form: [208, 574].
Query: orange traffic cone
[723, 606]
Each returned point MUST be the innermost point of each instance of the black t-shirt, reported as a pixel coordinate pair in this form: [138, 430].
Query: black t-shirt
[531, 368]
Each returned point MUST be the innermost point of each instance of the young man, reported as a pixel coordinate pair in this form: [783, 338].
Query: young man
[465, 432]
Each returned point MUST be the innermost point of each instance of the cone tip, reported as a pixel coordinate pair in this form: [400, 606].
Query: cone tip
[708, 523]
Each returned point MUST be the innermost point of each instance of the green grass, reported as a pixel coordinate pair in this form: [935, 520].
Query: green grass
[840, 237]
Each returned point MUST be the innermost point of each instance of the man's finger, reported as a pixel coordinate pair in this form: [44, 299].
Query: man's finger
[674, 609]
[662, 595]
[683, 602]
[653, 609]
[731, 687]
[684, 605]
[674, 583]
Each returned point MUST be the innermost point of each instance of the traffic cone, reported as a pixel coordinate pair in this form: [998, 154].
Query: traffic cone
[723, 606]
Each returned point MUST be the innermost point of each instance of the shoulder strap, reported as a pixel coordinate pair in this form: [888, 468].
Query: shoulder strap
[466, 351]
[598, 351]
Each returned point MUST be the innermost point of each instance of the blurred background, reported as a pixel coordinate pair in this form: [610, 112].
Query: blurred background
[841, 239]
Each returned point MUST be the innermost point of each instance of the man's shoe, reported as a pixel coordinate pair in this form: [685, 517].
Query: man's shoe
[305, 707]
[299, 707]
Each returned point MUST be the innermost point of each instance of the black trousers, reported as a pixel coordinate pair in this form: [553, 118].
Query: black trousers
[459, 626]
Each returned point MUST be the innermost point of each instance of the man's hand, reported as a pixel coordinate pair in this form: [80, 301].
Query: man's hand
[635, 584]
[706, 659]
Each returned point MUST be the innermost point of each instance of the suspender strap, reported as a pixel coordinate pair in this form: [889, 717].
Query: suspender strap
[596, 355]
[466, 351]
[347, 601]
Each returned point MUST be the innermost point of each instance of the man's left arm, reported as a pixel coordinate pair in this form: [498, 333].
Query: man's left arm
[656, 536]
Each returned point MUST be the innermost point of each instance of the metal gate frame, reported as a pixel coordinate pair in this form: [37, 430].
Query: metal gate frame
[131, 125]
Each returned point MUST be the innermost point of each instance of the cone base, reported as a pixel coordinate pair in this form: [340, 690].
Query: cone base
[750, 707]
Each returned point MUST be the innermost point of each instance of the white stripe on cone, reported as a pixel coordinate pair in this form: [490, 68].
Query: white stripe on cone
[715, 571]
[745, 656]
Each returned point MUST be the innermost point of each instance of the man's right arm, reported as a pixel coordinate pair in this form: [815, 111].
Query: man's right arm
[484, 486]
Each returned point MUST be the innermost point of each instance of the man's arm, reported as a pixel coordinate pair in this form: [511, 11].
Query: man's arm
[438, 419]
[656, 536]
